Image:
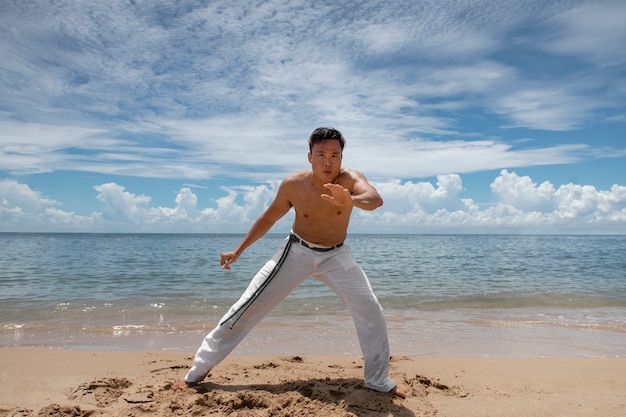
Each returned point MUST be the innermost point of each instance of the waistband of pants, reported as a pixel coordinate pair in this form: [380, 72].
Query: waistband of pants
[297, 239]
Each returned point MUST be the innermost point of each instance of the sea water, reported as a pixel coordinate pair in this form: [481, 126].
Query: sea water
[443, 295]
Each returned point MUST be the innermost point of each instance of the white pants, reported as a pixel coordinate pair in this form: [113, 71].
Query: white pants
[294, 264]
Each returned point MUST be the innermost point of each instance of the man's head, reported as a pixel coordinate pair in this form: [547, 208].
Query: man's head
[325, 154]
[326, 133]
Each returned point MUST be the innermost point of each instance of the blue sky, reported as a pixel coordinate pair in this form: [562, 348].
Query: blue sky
[160, 116]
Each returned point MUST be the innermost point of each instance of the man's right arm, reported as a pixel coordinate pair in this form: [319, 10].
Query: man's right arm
[276, 210]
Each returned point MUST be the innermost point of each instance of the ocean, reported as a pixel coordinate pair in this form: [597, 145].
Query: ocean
[443, 295]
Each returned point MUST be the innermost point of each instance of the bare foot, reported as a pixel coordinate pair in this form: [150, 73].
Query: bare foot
[402, 391]
[181, 384]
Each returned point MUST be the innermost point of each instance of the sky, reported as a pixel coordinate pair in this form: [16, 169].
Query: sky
[503, 116]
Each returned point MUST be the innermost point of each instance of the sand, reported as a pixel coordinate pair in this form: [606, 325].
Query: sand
[51, 382]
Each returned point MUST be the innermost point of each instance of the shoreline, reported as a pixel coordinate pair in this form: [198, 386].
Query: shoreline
[426, 335]
[98, 383]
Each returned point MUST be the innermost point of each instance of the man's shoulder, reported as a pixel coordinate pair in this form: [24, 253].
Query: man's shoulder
[348, 174]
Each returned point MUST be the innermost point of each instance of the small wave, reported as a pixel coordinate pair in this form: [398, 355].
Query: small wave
[12, 326]
[127, 329]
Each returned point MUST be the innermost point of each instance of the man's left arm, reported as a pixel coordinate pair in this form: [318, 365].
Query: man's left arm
[363, 194]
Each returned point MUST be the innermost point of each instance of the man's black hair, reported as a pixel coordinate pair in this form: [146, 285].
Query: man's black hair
[326, 133]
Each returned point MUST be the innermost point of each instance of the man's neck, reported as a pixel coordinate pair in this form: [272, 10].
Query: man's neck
[319, 183]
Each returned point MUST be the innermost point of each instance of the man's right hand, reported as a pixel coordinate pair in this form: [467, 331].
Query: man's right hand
[228, 258]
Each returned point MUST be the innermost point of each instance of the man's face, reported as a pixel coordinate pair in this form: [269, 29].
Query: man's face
[325, 158]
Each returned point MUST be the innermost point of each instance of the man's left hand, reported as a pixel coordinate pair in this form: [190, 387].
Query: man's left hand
[340, 196]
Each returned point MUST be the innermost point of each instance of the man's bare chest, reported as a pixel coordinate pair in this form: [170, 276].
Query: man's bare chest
[320, 210]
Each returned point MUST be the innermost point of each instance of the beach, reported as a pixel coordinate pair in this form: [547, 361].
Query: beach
[103, 325]
[54, 382]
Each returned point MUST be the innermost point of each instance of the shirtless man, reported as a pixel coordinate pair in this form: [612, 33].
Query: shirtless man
[323, 199]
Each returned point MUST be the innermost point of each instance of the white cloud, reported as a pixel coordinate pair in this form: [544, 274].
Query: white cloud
[147, 60]
[546, 108]
[125, 211]
[187, 202]
[119, 204]
[594, 31]
[587, 204]
[223, 79]
[521, 206]
[410, 197]
[23, 209]
[197, 91]
[522, 193]
[18, 202]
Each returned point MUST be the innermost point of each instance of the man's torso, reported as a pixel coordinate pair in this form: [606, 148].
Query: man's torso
[318, 221]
